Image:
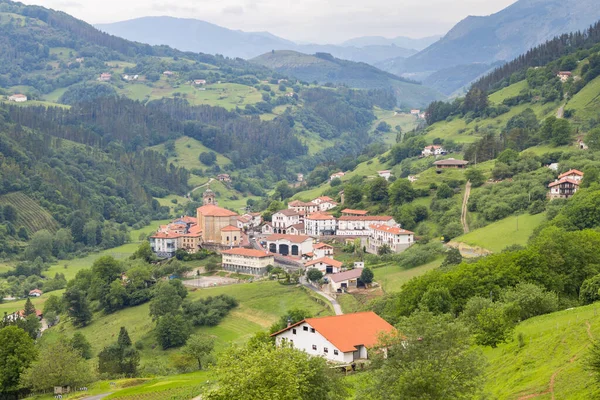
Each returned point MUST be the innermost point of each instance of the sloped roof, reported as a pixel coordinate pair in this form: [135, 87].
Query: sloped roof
[571, 172]
[320, 217]
[211, 210]
[288, 212]
[247, 253]
[230, 228]
[344, 276]
[392, 229]
[321, 245]
[365, 218]
[325, 260]
[356, 212]
[348, 331]
[564, 180]
[451, 161]
[165, 235]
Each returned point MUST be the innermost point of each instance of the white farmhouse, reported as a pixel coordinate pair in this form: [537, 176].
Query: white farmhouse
[303, 207]
[326, 265]
[385, 174]
[247, 261]
[433, 150]
[18, 98]
[341, 338]
[325, 203]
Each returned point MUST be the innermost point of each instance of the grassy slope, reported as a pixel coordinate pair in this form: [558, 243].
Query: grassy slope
[498, 235]
[188, 149]
[392, 277]
[586, 103]
[554, 350]
[29, 213]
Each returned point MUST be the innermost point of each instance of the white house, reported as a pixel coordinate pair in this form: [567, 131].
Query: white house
[341, 338]
[105, 77]
[267, 228]
[303, 207]
[385, 174]
[199, 81]
[396, 238]
[564, 75]
[344, 280]
[326, 265]
[566, 185]
[289, 245]
[574, 174]
[247, 261]
[415, 112]
[336, 175]
[164, 244]
[325, 203]
[320, 224]
[433, 150]
[361, 225]
[283, 219]
[255, 219]
[18, 98]
[297, 229]
[322, 250]
[354, 213]
[35, 293]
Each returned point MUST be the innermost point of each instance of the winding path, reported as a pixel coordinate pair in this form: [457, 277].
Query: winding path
[463, 215]
[336, 306]
[211, 180]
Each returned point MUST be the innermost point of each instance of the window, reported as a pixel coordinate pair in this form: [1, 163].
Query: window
[335, 352]
[294, 331]
[312, 330]
[314, 347]
[325, 350]
[305, 328]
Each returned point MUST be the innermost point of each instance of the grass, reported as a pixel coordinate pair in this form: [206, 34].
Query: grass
[406, 122]
[555, 346]
[260, 305]
[184, 387]
[586, 103]
[508, 92]
[12, 306]
[188, 150]
[498, 235]
[392, 277]
[29, 213]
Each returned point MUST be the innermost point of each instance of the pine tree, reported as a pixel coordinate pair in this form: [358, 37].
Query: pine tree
[29, 308]
[124, 340]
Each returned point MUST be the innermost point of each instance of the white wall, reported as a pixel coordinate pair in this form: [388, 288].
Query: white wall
[304, 340]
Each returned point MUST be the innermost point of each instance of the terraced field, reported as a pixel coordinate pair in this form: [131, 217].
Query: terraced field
[29, 213]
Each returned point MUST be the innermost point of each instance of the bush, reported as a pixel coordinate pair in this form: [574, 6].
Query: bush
[531, 300]
[589, 292]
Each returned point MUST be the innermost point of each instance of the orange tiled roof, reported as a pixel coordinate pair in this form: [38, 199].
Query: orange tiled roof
[394, 230]
[230, 228]
[321, 245]
[325, 260]
[571, 172]
[366, 218]
[165, 235]
[320, 217]
[564, 180]
[211, 210]
[348, 331]
[324, 198]
[356, 212]
[247, 253]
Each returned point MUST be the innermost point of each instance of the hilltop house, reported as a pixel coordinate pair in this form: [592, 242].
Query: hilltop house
[18, 98]
[566, 185]
[564, 75]
[450, 163]
[396, 238]
[339, 175]
[35, 293]
[224, 178]
[341, 338]
[433, 150]
[105, 77]
[386, 174]
[246, 261]
[199, 82]
[325, 203]
[289, 245]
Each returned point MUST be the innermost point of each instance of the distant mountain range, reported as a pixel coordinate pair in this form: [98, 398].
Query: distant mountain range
[324, 68]
[200, 36]
[474, 44]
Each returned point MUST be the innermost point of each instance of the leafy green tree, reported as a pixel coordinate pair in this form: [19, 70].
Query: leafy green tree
[290, 317]
[166, 300]
[207, 158]
[377, 190]
[592, 359]
[401, 192]
[453, 257]
[116, 298]
[29, 308]
[531, 300]
[59, 364]
[592, 139]
[432, 359]
[383, 250]
[366, 276]
[335, 182]
[444, 191]
[144, 252]
[283, 191]
[119, 358]
[262, 371]
[54, 304]
[9, 212]
[476, 177]
[489, 321]
[452, 230]
[81, 344]
[51, 318]
[590, 290]
[353, 195]
[590, 175]
[383, 127]
[172, 330]
[78, 306]
[437, 299]
[314, 275]
[199, 347]
[17, 352]
[40, 245]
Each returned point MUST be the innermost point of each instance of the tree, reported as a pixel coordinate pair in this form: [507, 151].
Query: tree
[592, 359]
[116, 298]
[531, 300]
[81, 344]
[40, 245]
[51, 318]
[144, 252]
[263, 371]
[444, 191]
[400, 192]
[383, 127]
[59, 364]
[377, 190]
[383, 250]
[366, 276]
[30, 324]
[17, 352]
[476, 101]
[314, 275]
[29, 308]
[9, 212]
[207, 158]
[119, 358]
[432, 359]
[592, 139]
[54, 304]
[283, 191]
[172, 330]
[437, 299]
[78, 306]
[199, 347]
[489, 321]
[166, 300]
[290, 317]
[352, 195]
[590, 175]
[453, 257]
[475, 176]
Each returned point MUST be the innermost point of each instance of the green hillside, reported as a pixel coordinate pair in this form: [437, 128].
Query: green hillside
[29, 213]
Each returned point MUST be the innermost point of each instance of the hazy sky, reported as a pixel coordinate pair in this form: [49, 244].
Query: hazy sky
[321, 21]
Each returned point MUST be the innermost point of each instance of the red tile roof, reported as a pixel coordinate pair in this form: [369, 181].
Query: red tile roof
[344, 276]
[326, 261]
[321, 245]
[211, 210]
[165, 235]
[564, 180]
[247, 253]
[298, 203]
[324, 198]
[571, 172]
[356, 212]
[291, 238]
[320, 217]
[230, 228]
[366, 218]
[348, 331]
[288, 212]
[394, 230]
